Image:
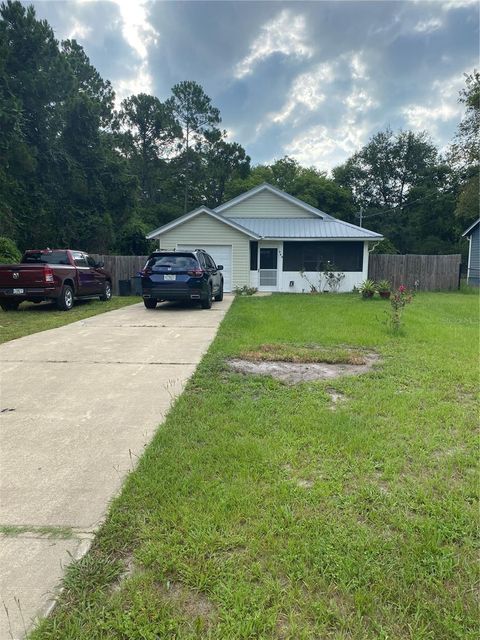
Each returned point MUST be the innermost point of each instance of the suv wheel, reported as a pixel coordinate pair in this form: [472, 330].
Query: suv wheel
[207, 302]
[219, 296]
[150, 303]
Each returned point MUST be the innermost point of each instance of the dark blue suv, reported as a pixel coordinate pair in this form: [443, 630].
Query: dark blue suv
[181, 275]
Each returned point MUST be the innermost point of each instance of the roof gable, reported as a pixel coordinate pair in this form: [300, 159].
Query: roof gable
[266, 201]
[471, 228]
[193, 214]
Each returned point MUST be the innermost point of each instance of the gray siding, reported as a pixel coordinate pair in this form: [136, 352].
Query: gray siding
[474, 257]
[266, 205]
[204, 229]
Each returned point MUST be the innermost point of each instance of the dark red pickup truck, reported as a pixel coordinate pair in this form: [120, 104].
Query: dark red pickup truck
[53, 274]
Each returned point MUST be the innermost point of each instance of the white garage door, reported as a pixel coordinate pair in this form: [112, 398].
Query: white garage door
[221, 253]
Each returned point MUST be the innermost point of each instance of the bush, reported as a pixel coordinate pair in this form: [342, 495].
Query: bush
[9, 252]
[244, 291]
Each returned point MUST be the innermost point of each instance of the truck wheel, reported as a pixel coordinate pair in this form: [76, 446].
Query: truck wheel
[150, 303]
[9, 305]
[65, 301]
[107, 292]
[219, 296]
[207, 302]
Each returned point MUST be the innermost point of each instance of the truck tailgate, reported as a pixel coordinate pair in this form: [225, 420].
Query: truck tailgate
[21, 275]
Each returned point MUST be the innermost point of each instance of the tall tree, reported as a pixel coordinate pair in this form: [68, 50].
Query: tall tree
[464, 152]
[223, 162]
[381, 174]
[193, 109]
[151, 131]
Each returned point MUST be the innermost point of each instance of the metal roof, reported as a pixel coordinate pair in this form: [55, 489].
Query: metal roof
[305, 228]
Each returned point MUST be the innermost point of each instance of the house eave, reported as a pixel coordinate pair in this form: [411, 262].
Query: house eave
[471, 228]
[320, 239]
[153, 235]
[265, 186]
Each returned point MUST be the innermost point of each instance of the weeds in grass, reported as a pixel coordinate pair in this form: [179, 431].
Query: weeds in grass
[302, 353]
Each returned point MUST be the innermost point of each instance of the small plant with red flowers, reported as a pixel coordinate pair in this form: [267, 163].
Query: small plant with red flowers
[398, 300]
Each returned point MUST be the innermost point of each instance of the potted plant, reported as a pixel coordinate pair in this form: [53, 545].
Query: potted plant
[384, 289]
[367, 289]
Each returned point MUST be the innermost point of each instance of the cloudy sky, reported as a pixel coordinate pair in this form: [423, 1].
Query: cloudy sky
[313, 80]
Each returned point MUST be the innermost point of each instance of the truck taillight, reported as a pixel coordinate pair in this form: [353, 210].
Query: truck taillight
[47, 274]
[145, 273]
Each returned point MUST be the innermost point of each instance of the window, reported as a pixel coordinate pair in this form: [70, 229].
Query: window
[79, 259]
[268, 258]
[52, 257]
[176, 261]
[253, 256]
[314, 256]
[209, 261]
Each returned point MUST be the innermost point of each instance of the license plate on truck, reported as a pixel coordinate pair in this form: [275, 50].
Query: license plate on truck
[18, 292]
[169, 276]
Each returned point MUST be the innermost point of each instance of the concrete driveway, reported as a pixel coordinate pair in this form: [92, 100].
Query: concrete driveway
[78, 404]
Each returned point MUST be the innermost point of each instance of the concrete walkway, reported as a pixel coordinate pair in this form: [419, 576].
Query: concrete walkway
[78, 404]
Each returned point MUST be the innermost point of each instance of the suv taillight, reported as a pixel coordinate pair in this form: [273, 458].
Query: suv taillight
[196, 273]
[48, 274]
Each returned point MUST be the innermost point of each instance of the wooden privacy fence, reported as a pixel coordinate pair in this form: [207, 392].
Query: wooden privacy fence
[121, 267]
[426, 273]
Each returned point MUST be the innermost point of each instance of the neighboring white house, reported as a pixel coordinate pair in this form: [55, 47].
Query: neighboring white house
[266, 238]
[473, 235]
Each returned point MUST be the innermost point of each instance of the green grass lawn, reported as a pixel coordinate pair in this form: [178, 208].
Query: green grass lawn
[259, 512]
[32, 318]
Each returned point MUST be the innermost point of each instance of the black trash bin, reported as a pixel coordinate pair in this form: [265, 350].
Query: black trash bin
[136, 285]
[124, 287]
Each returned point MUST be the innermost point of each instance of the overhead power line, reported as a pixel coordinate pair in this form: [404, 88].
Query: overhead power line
[362, 216]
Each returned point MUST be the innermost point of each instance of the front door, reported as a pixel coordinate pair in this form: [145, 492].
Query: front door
[268, 280]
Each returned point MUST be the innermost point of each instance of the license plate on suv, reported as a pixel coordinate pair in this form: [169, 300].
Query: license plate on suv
[169, 276]
[18, 292]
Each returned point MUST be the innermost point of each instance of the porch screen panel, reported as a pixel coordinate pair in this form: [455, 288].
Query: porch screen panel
[314, 256]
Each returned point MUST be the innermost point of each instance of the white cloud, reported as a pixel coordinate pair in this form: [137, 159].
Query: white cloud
[420, 117]
[325, 148]
[136, 29]
[441, 107]
[79, 31]
[139, 34]
[359, 100]
[457, 4]
[141, 82]
[285, 34]
[358, 67]
[307, 90]
[427, 26]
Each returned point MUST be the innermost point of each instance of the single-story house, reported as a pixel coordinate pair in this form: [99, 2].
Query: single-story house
[270, 240]
[473, 269]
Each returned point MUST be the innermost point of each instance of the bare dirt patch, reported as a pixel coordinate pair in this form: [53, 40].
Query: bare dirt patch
[295, 372]
[191, 603]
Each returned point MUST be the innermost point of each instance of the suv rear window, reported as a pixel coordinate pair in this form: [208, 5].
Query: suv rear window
[175, 261]
[52, 257]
